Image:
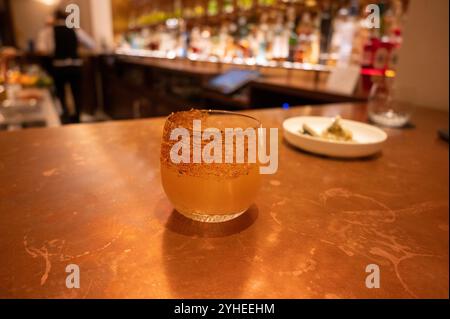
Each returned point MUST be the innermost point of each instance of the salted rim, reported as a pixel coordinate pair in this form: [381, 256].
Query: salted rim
[212, 111]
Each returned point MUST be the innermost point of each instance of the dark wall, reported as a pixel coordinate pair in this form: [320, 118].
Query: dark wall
[6, 26]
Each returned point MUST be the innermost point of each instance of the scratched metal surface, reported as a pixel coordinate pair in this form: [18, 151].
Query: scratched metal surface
[91, 195]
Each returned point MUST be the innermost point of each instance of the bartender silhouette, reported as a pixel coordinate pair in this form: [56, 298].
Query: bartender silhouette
[62, 43]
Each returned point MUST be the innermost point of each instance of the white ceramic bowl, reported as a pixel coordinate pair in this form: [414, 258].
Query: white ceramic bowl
[368, 139]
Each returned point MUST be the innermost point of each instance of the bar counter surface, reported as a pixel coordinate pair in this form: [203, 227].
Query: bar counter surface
[91, 195]
[286, 81]
[155, 82]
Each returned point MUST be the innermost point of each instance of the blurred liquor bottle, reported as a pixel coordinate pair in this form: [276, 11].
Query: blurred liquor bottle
[308, 40]
[381, 48]
[326, 27]
[228, 6]
[213, 8]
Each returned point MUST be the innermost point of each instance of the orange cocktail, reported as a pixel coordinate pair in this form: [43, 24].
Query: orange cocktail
[211, 191]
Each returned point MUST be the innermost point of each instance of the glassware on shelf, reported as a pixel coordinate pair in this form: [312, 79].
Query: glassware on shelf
[387, 105]
[269, 32]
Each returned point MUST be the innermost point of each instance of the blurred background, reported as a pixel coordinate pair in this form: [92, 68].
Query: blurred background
[143, 58]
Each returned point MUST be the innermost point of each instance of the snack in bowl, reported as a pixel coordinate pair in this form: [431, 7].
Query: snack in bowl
[335, 132]
[323, 138]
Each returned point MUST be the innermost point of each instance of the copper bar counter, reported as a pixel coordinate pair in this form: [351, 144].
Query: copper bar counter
[91, 195]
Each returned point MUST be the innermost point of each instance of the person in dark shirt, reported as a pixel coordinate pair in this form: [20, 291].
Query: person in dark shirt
[63, 43]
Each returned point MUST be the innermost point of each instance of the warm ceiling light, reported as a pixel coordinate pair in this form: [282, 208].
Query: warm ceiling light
[49, 2]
